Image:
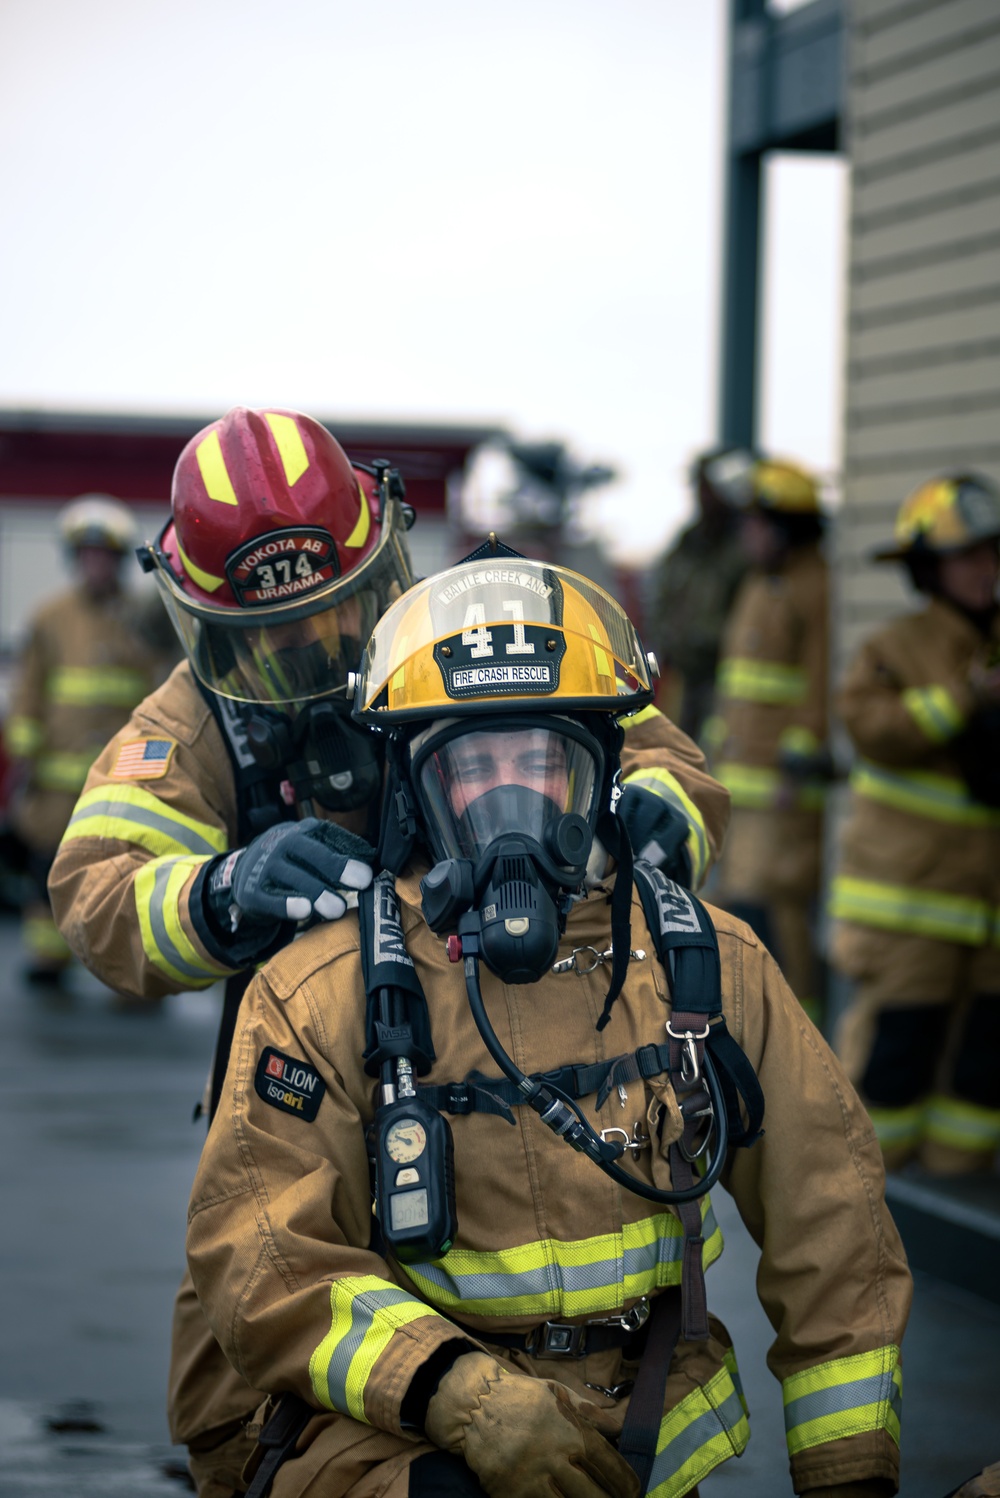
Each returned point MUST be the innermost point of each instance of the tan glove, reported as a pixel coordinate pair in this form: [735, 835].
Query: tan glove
[525, 1437]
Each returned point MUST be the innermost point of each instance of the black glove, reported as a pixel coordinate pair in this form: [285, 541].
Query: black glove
[657, 830]
[289, 873]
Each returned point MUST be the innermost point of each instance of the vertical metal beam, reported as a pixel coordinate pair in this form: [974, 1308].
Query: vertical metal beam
[785, 92]
[741, 299]
[742, 219]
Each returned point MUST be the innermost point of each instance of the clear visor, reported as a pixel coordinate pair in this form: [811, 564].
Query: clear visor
[475, 785]
[293, 653]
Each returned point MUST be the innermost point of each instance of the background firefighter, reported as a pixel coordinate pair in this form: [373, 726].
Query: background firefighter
[916, 895]
[692, 586]
[767, 737]
[90, 656]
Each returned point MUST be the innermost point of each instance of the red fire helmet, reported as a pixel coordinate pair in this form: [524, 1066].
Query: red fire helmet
[279, 557]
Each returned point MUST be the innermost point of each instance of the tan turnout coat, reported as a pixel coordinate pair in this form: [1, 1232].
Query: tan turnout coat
[280, 1215]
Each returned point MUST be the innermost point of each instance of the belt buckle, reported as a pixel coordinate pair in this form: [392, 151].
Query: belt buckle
[557, 1339]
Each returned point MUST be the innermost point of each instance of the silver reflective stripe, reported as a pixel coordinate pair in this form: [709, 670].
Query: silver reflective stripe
[545, 1288]
[714, 1424]
[165, 943]
[364, 1310]
[838, 1399]
[183, 838]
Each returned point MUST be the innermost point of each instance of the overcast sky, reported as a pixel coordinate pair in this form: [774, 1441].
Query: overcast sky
[441, 210]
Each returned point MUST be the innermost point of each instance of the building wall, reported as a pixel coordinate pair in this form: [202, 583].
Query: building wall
[923, 340]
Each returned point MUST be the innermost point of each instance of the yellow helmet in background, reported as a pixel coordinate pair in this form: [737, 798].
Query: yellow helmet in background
[777, 486]
[946, 514]
[499, 633]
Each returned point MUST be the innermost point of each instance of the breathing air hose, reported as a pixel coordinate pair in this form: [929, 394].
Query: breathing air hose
[560, 1113]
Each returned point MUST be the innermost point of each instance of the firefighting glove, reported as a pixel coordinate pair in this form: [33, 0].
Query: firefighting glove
[289, 873]
[657, 830]
[525, 1437]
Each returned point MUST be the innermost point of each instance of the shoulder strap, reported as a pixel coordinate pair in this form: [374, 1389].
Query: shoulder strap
[386, 966]
[687, 945]
[685, 940]
[259, 803]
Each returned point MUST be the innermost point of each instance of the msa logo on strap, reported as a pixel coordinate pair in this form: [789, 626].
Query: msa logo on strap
[677, 912]
[389, 943]
[293, 1086]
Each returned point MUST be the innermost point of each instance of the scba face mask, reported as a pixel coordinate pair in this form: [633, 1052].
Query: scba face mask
[509, 809]
[325, 756]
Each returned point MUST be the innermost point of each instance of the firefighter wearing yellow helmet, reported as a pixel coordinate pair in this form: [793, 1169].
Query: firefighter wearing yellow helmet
[503, 1029]
[916, 894]
[87, 661]
[238, 799]
[767, 737]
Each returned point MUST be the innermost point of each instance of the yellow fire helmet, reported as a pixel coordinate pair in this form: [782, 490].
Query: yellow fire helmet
[777, 486]
[946, 514]
[502, 632]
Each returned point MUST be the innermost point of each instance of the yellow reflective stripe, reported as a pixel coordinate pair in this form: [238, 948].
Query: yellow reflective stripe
[207, 581]
[897, 1126]
[365, 1314]
[62, 771]
[96, 686]
[951, 1120]
[760, 789]
[629, 720]
[42, 938]
[158, 887]
[845, 1397]
[707, 1427]
[943, 797]
[661, 783]
[214, 473]
[713, 731]
[935, 712]
[795, 739]
[359, 535]
[130, 814]
[897, 907]
[291, 448]
[752, 680]
[552, 1280]
[23, 736]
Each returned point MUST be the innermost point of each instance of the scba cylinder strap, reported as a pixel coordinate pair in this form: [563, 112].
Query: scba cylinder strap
[479, 1093]
[686, 943]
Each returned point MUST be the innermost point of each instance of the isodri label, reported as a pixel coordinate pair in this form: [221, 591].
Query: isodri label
[293, 1086]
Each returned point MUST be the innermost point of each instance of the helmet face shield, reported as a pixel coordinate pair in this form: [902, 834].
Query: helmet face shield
[476, 782]
[294, 651]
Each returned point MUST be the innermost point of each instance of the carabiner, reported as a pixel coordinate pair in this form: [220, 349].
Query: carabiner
[690, 1067]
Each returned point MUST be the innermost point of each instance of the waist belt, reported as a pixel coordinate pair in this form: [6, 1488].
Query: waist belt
[564, 1339]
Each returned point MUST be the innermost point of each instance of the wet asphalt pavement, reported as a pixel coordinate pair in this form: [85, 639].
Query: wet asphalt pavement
[98, 1152]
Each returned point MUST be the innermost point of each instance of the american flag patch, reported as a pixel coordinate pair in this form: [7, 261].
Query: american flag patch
[143, 759]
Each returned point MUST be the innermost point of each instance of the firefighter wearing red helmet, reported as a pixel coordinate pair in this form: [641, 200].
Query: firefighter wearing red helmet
[238, 801]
